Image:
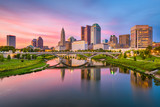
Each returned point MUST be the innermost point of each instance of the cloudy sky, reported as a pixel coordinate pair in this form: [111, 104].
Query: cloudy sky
[28, 19]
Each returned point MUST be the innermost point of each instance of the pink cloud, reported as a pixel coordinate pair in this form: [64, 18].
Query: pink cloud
[32, 26]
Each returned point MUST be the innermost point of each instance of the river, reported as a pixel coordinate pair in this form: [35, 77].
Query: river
[101, 86]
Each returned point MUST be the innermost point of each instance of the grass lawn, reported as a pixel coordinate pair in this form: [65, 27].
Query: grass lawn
[19, 71]
[15, 66]
[147, 59]
[142, 65]
[135, 65]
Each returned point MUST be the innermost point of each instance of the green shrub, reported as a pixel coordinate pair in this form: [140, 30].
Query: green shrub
[23, 56]
[125, 56]
[18, 56]
[29, 57]
[1, 58]
[157, 60]
[142, 56]
[135, 59]
[8, 57]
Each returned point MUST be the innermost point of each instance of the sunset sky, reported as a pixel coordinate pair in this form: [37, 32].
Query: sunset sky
[28, 19]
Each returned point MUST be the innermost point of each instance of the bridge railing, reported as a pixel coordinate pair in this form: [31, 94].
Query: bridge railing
[71, 53]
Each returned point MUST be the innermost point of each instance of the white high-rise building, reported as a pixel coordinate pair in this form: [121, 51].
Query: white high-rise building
[95, 34]
[79, 45]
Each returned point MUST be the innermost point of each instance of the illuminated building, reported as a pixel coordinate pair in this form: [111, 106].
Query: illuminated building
[34, 42]
[103, 46]
[124, 41]
[11, 40]
[141, 36]
[45, 47]
[79, 45]
[39, 43]
[68, 45]
[113, 39]
[62, 40]
[95, 34]
[155, 44]
[86, 34]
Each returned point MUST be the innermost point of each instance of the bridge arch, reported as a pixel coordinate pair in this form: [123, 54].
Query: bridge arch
[110, 55]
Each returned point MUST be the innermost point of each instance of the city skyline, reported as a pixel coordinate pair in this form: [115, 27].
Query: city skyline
[30, 19]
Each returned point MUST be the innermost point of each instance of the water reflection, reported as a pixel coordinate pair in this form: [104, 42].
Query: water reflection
[140, 80]
[113, 70]
[77, 63]
[82, 87]
[62, 74]
[123, 70]
[91, 74]
[90, 80]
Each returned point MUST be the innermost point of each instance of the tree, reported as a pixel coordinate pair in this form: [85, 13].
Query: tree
[34, 56]
[29, 57]
[142, 55]
[125, 55]
[135, 59]
[1, 58]
[8, 57]
[7, 48]
[149, 48]
[18, 56]
[23, 56]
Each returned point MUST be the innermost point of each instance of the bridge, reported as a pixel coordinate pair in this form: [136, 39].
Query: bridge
[63, 65]
[57, 54]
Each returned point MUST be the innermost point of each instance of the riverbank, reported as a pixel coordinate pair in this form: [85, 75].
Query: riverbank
[148, 66]
[143, 66]
[18, 67]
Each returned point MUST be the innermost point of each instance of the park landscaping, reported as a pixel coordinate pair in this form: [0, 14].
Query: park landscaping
[18, 66]
[141, 66]
[137, 63]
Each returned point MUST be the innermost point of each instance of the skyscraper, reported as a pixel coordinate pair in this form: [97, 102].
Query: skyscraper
[62, 41]
[86, 34]
[34, 42]
[82, 32]
[124, 41]
[113, 39]
[141, 36]
[40, 43]
[11, 40]
[95, 34]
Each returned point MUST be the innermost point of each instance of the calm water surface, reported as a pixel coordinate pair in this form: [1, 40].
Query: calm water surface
[89, 87]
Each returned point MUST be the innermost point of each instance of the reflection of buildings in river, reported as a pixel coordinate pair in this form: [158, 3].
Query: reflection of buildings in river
[95, 63]
[113, 70]
[123, 70]
[62, 74]
[90, 80]
[139, 81]
[76, 62]
[68, 62]
[91, 74]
